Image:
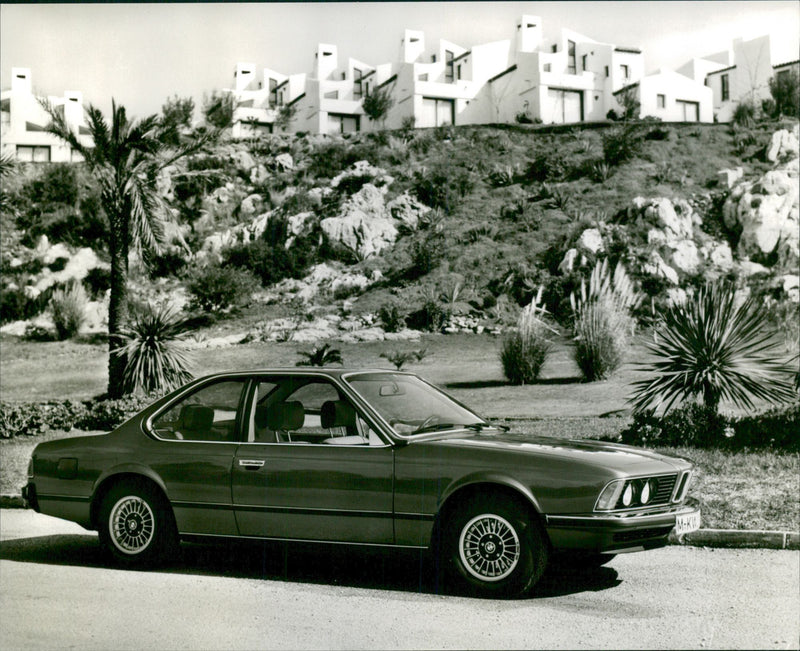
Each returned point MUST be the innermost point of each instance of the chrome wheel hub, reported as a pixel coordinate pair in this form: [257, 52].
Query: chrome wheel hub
[489, 547]
[131, 525]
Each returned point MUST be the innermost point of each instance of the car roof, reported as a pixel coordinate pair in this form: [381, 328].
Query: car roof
[305, 370]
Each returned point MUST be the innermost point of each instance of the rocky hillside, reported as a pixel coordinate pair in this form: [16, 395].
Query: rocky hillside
[448, 229]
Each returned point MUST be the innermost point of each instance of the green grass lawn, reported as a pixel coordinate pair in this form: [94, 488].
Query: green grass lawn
[736, 490]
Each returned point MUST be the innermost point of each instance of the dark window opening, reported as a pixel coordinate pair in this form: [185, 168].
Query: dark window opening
[358, 87]
[726, 91]
[571, 65]
[448, 66]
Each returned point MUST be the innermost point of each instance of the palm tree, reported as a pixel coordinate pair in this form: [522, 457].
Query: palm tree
[320, 356]
[126, 159]
[713, 349]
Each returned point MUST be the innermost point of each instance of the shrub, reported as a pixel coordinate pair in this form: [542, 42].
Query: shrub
[744, 115]
[392, 318]
[526, 348]
[695, 425]
[603, 322]
[712, 348]
[98, 280]
[442, 187]
[549, 165]
[431, 317]
[320, 356]
[16, 305]
[268, 259]
[785, 91]
[400, 358]
[621, 144]
[69, 307]
[155, 358]
[218, 289]
[427, 253]
[105, 415]
[30, 419]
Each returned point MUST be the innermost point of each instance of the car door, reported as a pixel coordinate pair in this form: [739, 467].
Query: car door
[196, 438]
[312, 468]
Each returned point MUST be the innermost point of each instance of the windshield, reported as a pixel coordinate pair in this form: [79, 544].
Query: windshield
[410, 405]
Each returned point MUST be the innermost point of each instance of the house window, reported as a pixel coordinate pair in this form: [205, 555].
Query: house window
[726, 90]
[458, 71]
[33, 153]
[341, 123]
[448, 67]
[583, 62]
[334, 94]
[423, 77]
[548, 67]
[571, 67]
[783, 74]
[625, 71]
[554, 48]
[606, 71]
[358, 89]
[273, 92]
[661, 100]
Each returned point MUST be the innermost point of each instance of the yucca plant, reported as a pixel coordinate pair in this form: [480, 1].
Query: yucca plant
[69, 310]
[525, 348]
[603, 323]
[710, 349]
[152, 346]
[320, 356]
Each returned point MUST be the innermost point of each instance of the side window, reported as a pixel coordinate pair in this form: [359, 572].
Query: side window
[208, 414]
[312, 413]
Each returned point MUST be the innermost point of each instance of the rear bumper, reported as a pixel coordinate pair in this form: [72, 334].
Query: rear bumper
[29, 496]
[614, 533]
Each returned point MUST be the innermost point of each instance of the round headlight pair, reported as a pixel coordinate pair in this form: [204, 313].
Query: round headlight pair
[628, 494]
[644, 492]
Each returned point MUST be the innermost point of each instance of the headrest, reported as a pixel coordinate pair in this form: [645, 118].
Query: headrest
[260, 417]
[286, 416]
[337, 413]
[197, 417]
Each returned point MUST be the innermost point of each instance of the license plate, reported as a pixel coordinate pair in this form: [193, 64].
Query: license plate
[687, 523]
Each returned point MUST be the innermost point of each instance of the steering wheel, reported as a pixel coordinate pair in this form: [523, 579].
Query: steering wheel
[430, 420]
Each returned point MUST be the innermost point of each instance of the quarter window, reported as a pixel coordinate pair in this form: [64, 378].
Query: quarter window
[208, 414]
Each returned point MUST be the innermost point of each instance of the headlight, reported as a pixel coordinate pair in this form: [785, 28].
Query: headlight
[644, 496]
[608, 498]
[627, 495]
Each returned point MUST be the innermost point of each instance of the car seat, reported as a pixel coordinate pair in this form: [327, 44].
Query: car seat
[286, 417]
[195, 421]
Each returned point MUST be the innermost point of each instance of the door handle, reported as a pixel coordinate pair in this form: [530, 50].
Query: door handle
[251, 464]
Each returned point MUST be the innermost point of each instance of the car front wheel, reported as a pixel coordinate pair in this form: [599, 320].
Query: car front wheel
[496, 547]
[136, 526]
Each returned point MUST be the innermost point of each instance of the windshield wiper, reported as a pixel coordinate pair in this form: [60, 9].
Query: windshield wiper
[479, 427]
[435, 427]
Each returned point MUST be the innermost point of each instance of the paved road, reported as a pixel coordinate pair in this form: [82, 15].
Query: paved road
[57, 591]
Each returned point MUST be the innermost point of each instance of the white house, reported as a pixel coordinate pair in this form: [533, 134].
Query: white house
[737, 75]
[24, 121]
[672, 97]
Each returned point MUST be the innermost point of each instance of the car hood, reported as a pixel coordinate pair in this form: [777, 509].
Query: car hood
[614, 456]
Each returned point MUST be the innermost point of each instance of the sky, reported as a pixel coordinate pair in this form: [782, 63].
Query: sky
[141, 54]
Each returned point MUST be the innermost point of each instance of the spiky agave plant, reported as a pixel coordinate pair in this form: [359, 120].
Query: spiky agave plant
[152, 347]
[320, 356]
[711, 348]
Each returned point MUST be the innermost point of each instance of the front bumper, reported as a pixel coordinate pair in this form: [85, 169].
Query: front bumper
[29, 496]
[614, 533]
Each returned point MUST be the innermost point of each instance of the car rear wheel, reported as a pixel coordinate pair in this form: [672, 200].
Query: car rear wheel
[495, 547]
[136, 525]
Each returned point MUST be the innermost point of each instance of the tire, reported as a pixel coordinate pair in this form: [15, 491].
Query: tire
[495, 546]
[136, 525]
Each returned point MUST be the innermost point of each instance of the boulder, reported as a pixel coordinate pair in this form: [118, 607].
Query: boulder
[591, 240]
[674, 218]
[685, 257]
[243, 160]
[748, 268]
[791, 287]
[768, 213]
[55, 252]
[784, 144]
[363, 225]
[728, 178]
[407, 210]
[259, 174]
[297, 225]
[251, 204]
[656, 266]
[284, 162]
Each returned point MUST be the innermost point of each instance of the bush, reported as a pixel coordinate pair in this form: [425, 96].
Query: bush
[430, 317]
[442, 187]
[744, 115]
[549, 165]
[15, 305]
[621, 144]
[526, 348]
[69, 310]
[427, 253]
[603, 322]
[695, 425]
[785, 91]
[106, 415]
[30, 419]
[392, 319]
[219, 289]
[98, 280]
[268, 259]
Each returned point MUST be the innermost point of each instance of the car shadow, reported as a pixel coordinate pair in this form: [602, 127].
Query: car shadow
[323, 564]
